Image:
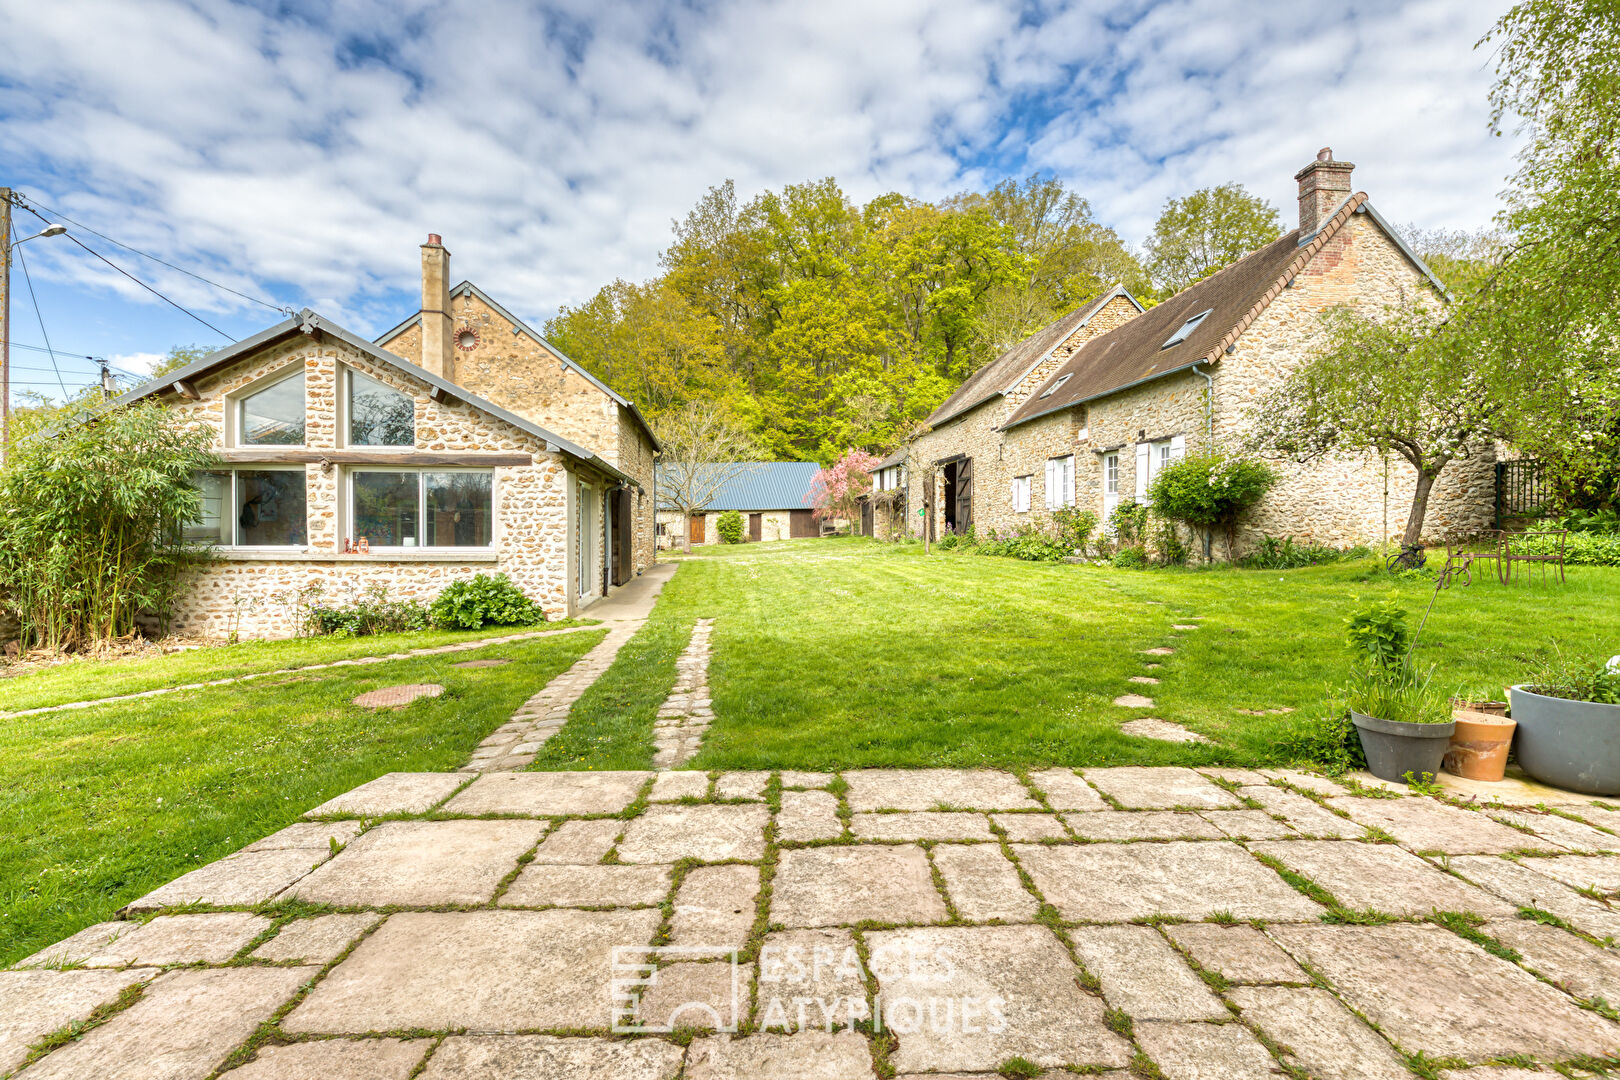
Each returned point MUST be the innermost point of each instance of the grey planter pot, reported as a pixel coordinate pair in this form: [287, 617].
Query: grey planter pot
[1395, 747]
[1569, 744]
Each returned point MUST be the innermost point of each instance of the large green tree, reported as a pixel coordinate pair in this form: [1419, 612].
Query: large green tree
[1200, 233]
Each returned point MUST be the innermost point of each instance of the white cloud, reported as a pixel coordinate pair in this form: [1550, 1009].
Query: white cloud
[136, 363]
[553, 147]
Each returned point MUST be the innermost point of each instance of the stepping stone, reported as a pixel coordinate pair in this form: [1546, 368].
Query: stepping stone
[1159, 650]
[486, 970]
[1249, 825]
[983, 883]
[921, 825]
[1029, 827]
[33, 1004]
[1133, 701]
[741, 785]
[549, 794]
[1140, 788]
[315, 941]
[1205, 1051]
[1381, 877]
[810, 978]
[546, 1057]
[669, 786]
[1524, 887]
[1064, 790]
[185, 1025]
[1151, 727]
[1580, 871]
[422, 864]
[810, 1055]
[550, 885]
[715, 907]
[1560, 830]
[808, 815]
[1320, 1035]
[240, 880]
[335, 1059]
[669, 833]
[390, 697]
[1490, 1008]
[1184, 626]
[579, 843]
[393, 793]
[929, 789]
[1145, 680]
[1240, 954]
[1184, 879]
[1426, 825]
[466, 665]
[1143, 976]
[834, 886]
[309, 836]
[211, 938]
[696, 995]
[1142, 825]
[1556, 954]
[1048, 1019]
[1308, 817]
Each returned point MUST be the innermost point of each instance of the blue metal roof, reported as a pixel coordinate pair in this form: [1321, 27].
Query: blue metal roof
[766, 485]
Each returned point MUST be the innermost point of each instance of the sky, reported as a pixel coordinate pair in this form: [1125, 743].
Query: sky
[299, 152]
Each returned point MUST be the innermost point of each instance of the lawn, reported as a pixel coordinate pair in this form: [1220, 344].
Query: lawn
[99, 806]
[83, 679]
[847, 652]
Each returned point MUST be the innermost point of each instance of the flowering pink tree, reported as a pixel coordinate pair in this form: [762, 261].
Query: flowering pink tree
[836, 492]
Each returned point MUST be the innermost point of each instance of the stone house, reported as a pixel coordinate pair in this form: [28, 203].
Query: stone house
[1154, 385]
[461, 443]
[883, 511]
[775, 499]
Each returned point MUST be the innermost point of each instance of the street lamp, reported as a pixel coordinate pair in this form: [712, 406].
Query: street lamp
[50, 229]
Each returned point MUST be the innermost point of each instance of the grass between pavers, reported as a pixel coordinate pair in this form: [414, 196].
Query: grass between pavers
[87, 678]
[99, 806]
[848, 653]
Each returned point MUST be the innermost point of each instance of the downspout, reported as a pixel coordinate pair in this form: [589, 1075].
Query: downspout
[1209, 406]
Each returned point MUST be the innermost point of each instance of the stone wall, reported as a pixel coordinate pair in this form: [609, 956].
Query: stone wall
[249, 590]
[774, 525]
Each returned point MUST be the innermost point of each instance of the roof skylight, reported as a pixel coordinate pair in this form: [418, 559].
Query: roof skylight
[1050, 390]
[1186, 329]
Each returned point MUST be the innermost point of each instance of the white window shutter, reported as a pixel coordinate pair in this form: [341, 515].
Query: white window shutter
[1144, 457]
[1178, 447]
[1068, 480]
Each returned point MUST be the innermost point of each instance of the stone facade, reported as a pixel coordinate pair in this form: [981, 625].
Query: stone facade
[774, 525]
[252, 591]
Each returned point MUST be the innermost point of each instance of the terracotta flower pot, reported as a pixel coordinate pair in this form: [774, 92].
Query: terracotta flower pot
[1479, 745]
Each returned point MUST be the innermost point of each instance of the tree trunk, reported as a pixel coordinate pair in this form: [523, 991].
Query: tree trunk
[1420, 504]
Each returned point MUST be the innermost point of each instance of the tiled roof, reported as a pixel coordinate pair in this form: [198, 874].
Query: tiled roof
[1234, 297]
[896, 458]
[764, 485]
[1004, 372]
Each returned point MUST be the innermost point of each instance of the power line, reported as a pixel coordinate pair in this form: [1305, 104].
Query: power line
[147, 255]
[147, 287]
[37, 348]
[23, 260]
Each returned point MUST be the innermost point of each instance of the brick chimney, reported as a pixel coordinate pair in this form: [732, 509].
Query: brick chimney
[1323, 185]
[438, 331]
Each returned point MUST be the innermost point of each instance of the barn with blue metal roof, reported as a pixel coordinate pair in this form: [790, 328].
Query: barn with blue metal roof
[776, 499]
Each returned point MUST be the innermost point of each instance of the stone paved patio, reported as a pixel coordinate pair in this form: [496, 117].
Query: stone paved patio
[926, 923]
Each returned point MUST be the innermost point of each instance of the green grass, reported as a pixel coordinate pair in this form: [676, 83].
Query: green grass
[84, 679]
[847, 653]
[101, 805]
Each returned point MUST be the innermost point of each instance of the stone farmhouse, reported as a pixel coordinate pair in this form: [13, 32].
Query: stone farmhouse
[774, 498]
[1088, 410]
[459, 442]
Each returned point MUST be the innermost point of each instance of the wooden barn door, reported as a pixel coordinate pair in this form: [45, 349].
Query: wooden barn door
[964, 495]
[866, 518]
[801, 523]
[623, 536]
[756, 526]
[696, 527]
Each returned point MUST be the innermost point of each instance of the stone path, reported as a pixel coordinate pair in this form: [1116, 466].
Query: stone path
[1213, 924]
[1152, 727]
[687, 713]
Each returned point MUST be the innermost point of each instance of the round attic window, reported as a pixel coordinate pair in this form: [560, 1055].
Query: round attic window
[466, 339]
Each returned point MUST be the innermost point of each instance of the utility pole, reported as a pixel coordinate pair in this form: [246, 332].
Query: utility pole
[5, 323]
[109, 389]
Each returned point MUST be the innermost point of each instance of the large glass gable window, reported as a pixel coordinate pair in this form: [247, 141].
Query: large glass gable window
[252, 508]
[379, 415]
[274, 416]
[398, 508]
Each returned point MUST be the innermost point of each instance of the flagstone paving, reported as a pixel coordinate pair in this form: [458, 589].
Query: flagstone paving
[686, 714]
[475, 927]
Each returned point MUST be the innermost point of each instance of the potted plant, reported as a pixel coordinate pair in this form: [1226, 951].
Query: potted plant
[1480, 742]
[1405, 726]
[1569, 720]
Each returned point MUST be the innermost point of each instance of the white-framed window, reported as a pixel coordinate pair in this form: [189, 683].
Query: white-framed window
[1060, 481]
[273, 415]
[263, 506]
[1154, 456]
[1020, 494]
[416, 508]
[1110, 476]
[376, 413]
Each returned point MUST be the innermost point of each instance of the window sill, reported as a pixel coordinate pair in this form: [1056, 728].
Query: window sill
[440, 555]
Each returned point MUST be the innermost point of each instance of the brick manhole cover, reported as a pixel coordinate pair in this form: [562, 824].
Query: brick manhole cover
[397, 695]
[482, 663]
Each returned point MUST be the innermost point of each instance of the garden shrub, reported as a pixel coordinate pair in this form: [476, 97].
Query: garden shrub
[483, 601]
[1286, 553]
[729, 526]
[1073, 527]
[1028, 542]
[1580, 548]
[1128, 523]
[1131, 558]
[1167, 541]
[372, 613]
[1210, 492]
